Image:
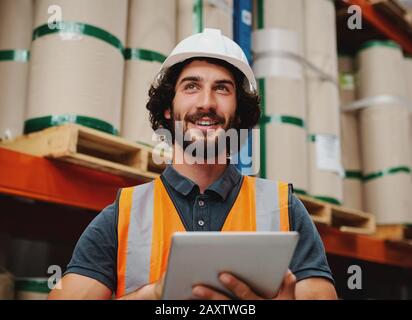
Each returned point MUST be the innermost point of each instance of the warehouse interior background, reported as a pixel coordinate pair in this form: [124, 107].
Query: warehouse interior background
[335, 79]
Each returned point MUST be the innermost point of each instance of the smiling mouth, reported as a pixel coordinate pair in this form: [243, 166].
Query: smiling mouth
[205, 122]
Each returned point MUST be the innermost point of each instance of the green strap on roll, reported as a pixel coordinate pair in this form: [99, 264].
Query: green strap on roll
[260, 14]
[17, 55]
[328, 199]
[198, 16]
[32, 285]
[300, 191]
[37, 124]
[143, 54]
[80, 29]
[387, 172]
[284, 119]
[261, 86]
[352, 174]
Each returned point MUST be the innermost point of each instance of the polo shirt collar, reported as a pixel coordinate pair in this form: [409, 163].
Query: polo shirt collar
[221, 186]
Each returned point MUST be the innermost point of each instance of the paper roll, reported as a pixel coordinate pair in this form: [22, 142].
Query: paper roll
[278, 48]
[324, 184]
[408, 70]
[351, 157]
[16, 22]
[385, 134]
[323, 107]
[320, 36]
[286, 153]
[277, 53]
[280, 14]
[325, 168]
[74, 73]
[195, 15]
[149, 29]
[381, 70]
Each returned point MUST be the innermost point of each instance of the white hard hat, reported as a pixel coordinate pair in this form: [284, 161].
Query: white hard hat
[212, 44]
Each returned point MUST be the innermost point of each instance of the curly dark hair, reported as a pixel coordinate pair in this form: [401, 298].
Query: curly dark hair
[162, 92]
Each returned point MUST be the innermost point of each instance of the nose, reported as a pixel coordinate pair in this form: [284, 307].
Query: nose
[207, 99]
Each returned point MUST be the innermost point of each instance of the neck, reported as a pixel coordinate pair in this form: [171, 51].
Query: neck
[201, 174]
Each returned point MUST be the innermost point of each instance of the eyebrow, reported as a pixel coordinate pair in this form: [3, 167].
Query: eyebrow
[199, 79]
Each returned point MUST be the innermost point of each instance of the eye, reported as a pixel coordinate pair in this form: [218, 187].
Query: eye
[222, 87]
[190, 86]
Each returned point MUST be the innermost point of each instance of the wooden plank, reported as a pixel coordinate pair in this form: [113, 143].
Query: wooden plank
[345, 219]
[108, 166]
[366, 248]
[351, 220]
[89, 147]
[394, 232]
[318, 210]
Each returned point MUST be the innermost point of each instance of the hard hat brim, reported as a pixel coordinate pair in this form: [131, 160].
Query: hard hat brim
[244, 68]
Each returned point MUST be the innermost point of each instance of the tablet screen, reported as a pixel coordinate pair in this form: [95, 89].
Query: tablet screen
[260, 259]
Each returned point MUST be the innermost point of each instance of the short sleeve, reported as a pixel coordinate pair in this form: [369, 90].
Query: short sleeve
[95, 254]
[309, 259]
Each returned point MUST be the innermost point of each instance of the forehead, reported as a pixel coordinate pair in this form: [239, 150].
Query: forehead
[206, 70]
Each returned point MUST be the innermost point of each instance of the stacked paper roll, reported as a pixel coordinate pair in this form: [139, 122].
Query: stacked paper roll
[277, 44]
[16, 22]
[78, 72]
[151, 37]
[195, 15]
[385, 133]
[325, 168]
[408, 70]
[351, 157]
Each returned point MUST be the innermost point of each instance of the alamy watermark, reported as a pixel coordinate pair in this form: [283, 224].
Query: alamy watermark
[355, 280]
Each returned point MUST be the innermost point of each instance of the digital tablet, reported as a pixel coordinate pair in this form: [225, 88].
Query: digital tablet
[260, 259]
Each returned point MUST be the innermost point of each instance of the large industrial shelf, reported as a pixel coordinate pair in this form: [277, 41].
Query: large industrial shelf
[375, 25]
[73, 185]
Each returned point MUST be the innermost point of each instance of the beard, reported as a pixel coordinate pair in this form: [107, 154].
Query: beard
[197, 139]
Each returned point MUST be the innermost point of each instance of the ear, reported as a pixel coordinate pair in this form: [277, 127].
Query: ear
[167, 114]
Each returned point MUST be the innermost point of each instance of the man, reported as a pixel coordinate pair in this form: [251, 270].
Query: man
[205, 86]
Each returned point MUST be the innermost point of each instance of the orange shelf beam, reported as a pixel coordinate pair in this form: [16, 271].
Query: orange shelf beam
[383, 25]
[57, 181]
[69, 184]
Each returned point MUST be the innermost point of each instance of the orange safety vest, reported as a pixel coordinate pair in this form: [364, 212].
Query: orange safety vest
[148, 218]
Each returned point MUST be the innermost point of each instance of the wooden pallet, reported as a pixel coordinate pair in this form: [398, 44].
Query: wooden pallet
[394, 232]
[91, 148]
[345, 219]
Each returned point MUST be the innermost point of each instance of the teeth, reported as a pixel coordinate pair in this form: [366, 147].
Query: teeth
[205, 123]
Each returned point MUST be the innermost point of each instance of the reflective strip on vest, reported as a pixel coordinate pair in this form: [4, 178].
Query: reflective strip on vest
[148, 219]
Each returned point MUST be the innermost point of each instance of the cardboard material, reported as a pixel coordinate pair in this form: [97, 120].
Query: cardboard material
[322, 95]
[16, 19]
[351, 156]
[385, 135]
[408, 70]
[216, 14]
[286, 143]
[320, 36]
[78, 74]
[283, 15]
[150, 29]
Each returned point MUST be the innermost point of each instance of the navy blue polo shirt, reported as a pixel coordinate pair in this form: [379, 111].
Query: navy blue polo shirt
[95, 254]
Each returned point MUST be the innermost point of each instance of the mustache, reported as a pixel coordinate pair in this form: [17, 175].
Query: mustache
[211, 114]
